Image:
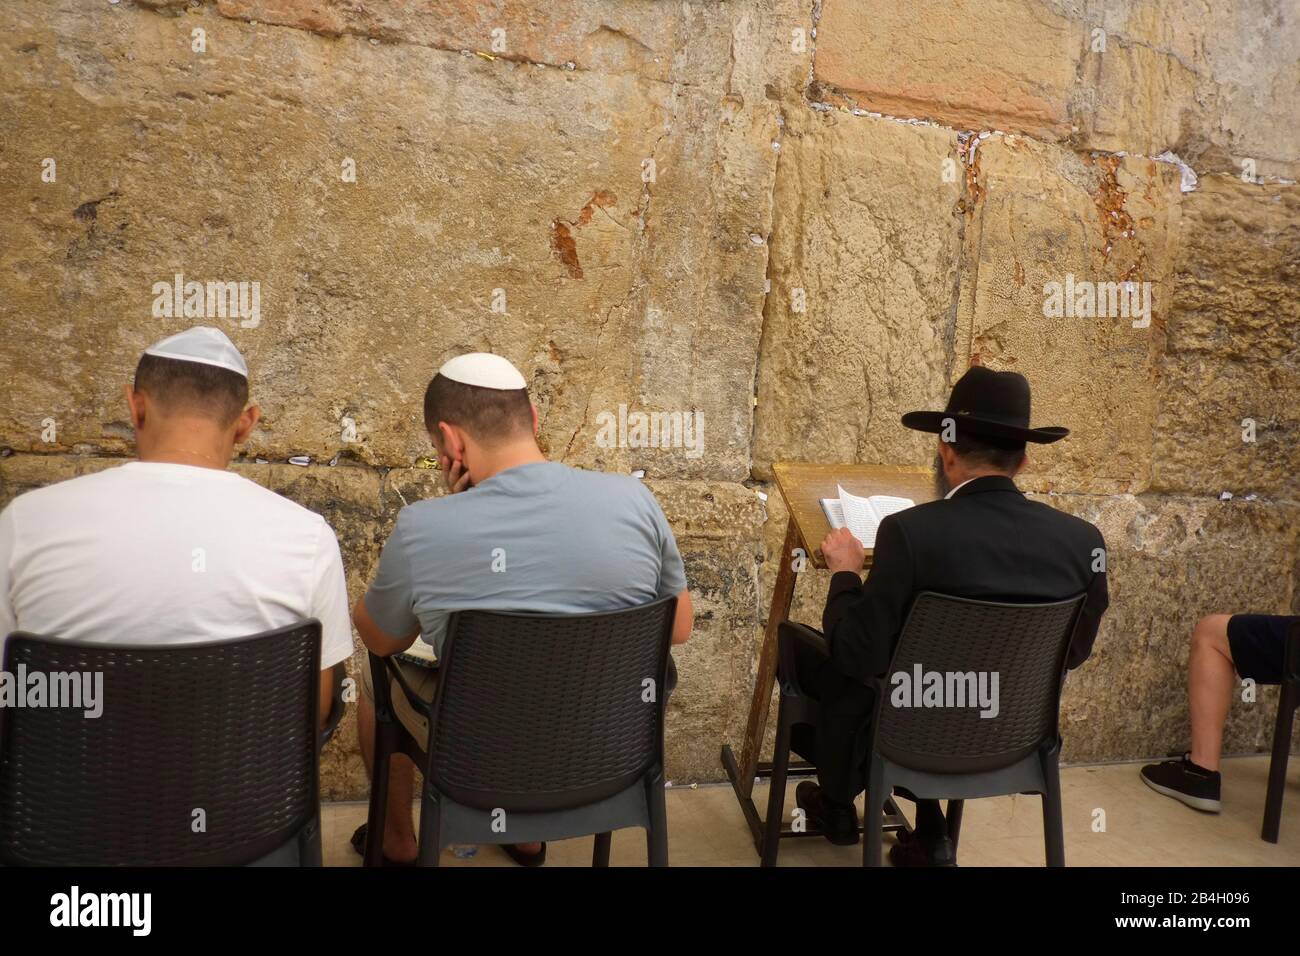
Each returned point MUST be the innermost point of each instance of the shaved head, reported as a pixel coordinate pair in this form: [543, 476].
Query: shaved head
[490, 415]
[192, 388]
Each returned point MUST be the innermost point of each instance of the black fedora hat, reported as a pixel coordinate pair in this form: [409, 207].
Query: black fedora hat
[988, 404]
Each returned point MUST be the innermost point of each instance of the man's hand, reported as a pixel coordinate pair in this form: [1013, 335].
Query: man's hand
[454, 474]
[842, 551]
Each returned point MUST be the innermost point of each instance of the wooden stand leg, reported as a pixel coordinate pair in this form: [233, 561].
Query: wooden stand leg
[742, 772]
[761, 702]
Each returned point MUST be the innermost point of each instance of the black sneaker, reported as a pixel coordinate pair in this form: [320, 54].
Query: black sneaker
[839, 824]
[915, 850]
[1185, 782]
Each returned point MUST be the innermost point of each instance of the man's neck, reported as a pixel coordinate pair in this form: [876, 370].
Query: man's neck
[200, 448]
[972, 474]
[500, 459]
[956, 481]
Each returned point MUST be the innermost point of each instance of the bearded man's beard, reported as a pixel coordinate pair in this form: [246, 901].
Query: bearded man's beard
[941, 486]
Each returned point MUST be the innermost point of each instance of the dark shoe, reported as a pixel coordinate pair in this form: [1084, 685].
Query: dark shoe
[921, 850]
[839, 824]
[525, 859]
[359, 844]
[1185, 782]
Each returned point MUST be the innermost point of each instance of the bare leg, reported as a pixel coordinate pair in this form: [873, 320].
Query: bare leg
[1210, 680]
[399, 828]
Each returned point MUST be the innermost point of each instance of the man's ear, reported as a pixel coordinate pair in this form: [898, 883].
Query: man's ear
[135, 404]
[536, 426]
[453, 443]
[1024, 460]
[246, 422]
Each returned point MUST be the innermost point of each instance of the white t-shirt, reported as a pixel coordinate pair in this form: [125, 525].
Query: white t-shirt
[150, 552]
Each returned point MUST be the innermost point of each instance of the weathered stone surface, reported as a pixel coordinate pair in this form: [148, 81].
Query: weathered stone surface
[1233, 354]
[1004, 64]
[523, 170]
[684, 43]
[719, 532]
[1214, 83]
[863, 287]
[471, 176]
[1044, 215]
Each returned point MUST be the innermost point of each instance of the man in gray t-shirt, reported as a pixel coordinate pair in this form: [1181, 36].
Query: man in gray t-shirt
[540, 536]
[518, 533]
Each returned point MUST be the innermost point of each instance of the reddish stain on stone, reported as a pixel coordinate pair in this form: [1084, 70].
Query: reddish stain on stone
[565, 249]
[600, 198]
[562, 242]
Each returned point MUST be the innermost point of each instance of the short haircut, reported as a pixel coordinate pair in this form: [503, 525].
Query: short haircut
[1002, 455]
[177, 385]
[489, 414]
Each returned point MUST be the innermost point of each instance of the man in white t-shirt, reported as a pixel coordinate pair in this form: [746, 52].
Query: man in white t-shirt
[173, 548]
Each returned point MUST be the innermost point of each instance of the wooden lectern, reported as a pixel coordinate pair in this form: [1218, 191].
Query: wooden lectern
[802, 486]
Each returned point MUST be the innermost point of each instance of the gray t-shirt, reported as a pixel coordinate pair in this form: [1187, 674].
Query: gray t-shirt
[539, 537]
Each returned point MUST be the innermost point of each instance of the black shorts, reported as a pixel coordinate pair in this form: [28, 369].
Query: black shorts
[1258, 645]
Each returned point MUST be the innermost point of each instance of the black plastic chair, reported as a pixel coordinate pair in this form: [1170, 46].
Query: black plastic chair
[542, 727]
[228, 728]
[952, 753]
[1286, 708]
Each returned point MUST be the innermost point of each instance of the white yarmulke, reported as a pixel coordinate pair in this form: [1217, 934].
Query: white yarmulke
[202, 344]
[484, 370]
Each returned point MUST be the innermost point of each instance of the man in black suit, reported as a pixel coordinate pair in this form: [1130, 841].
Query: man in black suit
[982, 539]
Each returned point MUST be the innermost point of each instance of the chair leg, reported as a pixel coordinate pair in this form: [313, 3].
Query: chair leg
[309, 848]
[873, 816]
[430, 849]
[1286, 707]
[656, 833]
[377, 818]
[600, 853]
[1053, 825]
[776, 790]
[953, 815]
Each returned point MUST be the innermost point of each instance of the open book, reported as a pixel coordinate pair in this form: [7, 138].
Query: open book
[862, 516]
[420, 653]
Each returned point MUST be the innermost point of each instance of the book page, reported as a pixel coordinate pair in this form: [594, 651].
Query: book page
[886, 505]
[834, 512]
[859, 517]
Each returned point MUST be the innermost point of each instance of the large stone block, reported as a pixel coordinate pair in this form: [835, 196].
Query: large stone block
[1050, 225]
[479, 184]
[1214, 83]
[683, 43]
[719, 532]
[1231, 370]
[1135, 89]
[998, 64]
[858, 324]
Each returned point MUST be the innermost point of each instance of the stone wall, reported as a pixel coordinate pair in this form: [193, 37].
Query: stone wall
[797, 219]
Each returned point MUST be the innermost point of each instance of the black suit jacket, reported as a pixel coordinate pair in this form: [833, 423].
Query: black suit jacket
[987, 541]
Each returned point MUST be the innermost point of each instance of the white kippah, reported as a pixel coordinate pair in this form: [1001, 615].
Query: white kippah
[484, 370]
[202, 344]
